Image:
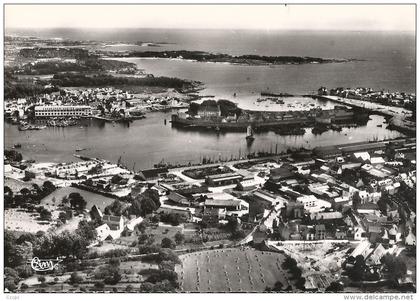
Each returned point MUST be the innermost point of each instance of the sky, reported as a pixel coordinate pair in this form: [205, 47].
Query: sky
[268, 17]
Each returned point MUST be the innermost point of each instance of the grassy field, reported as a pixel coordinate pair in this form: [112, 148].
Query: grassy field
[54, 199]
[231, 270]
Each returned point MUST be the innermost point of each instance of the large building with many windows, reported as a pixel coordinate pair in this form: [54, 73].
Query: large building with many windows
[62, 111]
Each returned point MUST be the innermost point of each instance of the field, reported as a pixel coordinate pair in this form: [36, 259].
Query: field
[231, 270]
[54, 199]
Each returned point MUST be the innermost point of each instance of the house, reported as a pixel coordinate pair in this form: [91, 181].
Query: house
[375, 257]
[326, 216]
[183, 211]
[293, 210]
[284, 172]
[362, 157]
[313, 204]
[266, 199]
[376, 160]
[223, 179]
[152, 174]
[211, 216]
[178, 199]
[102, 232]
[308, 233]
[363, 248]
[205, 110]
[326, 152]
[95, 213]
[410, 239]
[114, 222]
[359, 233]
[320, 232]
[133, 222]
[340, 234]
[230, 205]
[368, 208]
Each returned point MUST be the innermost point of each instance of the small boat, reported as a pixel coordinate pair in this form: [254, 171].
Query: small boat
[249, 133]
[80, 149]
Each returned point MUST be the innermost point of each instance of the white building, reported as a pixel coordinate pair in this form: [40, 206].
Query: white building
[62, 111]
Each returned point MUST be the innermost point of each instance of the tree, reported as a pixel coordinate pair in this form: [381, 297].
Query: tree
[99, 285]
[77, 201]
[167, 243]
[48, 187]
[75, 278]
[45, 214]
[145, 203]
[335, 287]
[179, 238]
[114, 209]
[146, 239]
[86, 230]
[358, 271]
[395, 265]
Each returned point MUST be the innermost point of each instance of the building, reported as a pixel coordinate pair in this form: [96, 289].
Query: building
[62, 111]
[95, 213]
[206, 111]
[178, 199]
[211, 216]
[102, 232]
[114, 222]
[266, 199]
[152, 174]
[223, 179]
[230, 205]
[320, 231]
[326, 152]
[313, 204]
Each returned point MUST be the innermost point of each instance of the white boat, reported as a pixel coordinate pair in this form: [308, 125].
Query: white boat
[249, 133]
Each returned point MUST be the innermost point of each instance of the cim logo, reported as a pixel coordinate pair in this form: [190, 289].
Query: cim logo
[42, 265]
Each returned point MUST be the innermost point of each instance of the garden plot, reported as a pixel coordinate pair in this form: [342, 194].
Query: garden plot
[231, 270]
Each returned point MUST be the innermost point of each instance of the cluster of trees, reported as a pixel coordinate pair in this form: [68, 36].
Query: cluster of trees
[90, 63]
[77, 201]
[13, 155]
[14, 88]
[145, 203]
[117, 208]
[27, 198]
[174, 219]
[234, 228]
[110, 273]
[395, 266]
[291, 265]
[48, 245]
[47, 52]
[18, 250]
[163, 279]
[226, 107]
[100, 80]
[117, 179]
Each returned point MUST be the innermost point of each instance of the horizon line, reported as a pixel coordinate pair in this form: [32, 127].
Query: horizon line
[210, 28]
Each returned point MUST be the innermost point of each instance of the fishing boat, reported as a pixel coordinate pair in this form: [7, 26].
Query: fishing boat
[249, 133]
